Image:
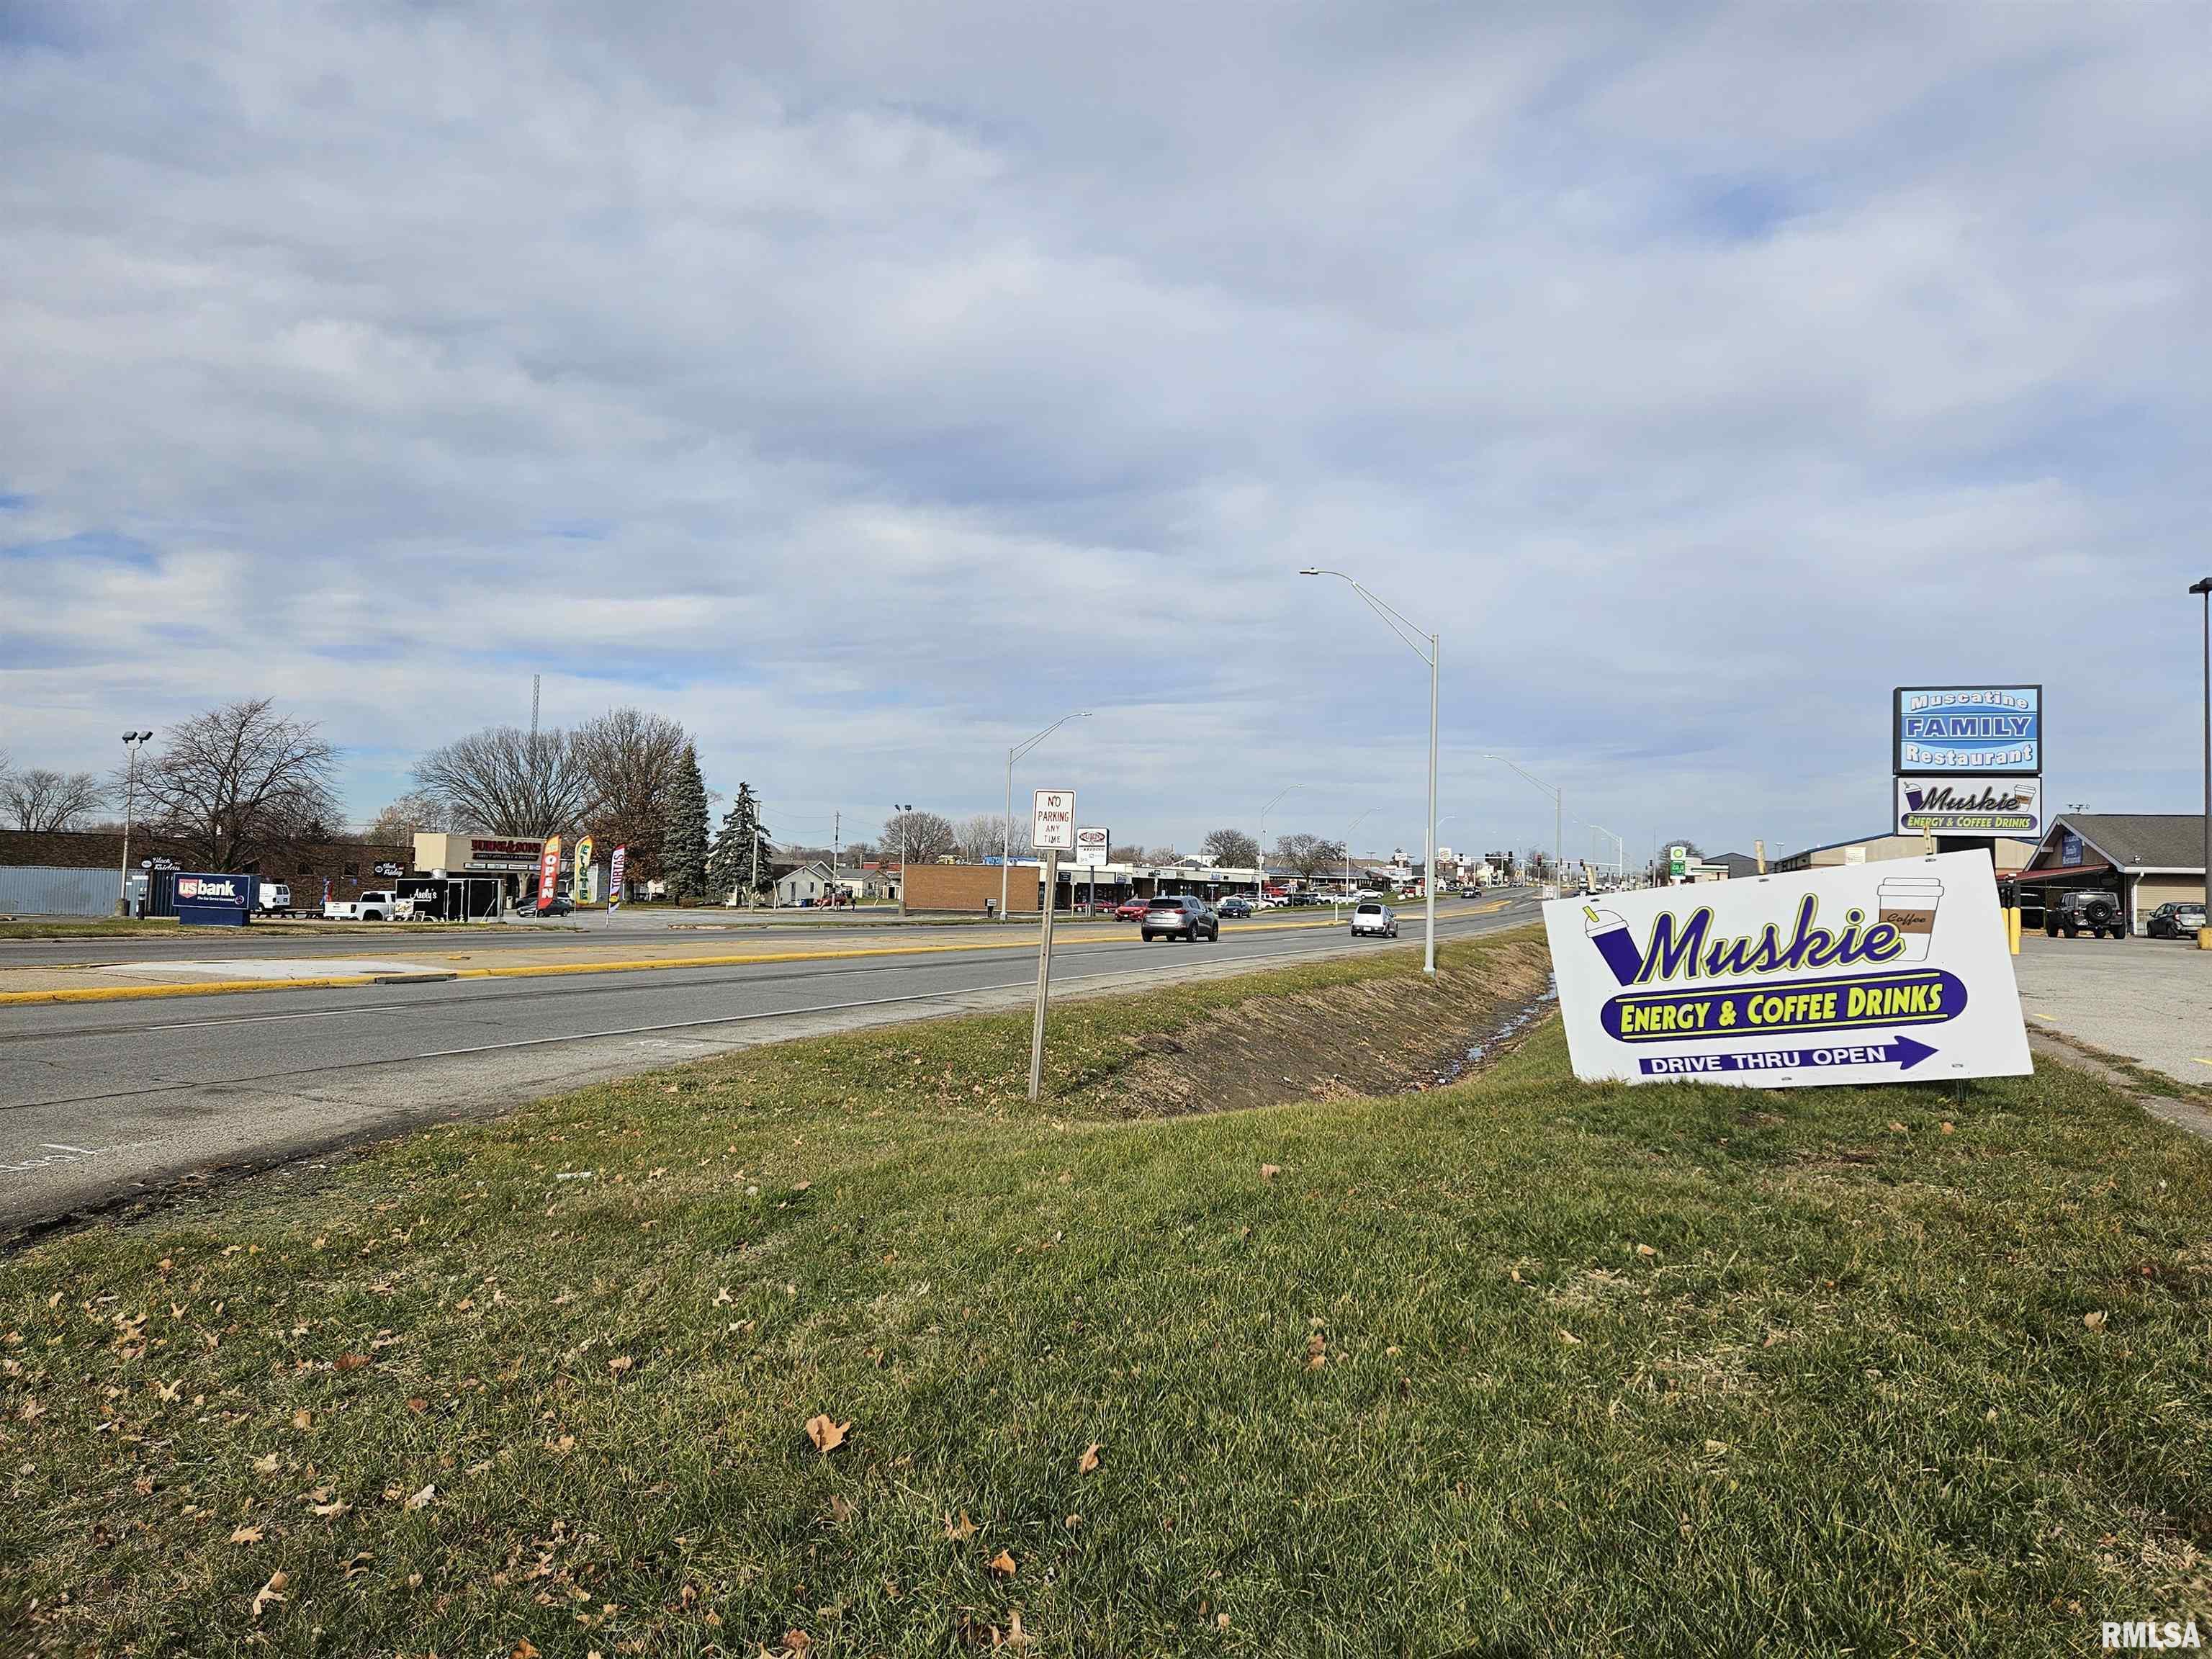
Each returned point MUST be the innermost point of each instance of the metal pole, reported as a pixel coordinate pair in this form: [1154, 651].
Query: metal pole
[130, 796]
[1428, 882]
[2204, 933]
[1044, 971]
[903, 864]
[1006, 840]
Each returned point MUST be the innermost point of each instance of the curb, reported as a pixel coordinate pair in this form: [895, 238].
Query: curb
[551, 970]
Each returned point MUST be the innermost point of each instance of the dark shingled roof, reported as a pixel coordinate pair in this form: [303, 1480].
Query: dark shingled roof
[2139, 841]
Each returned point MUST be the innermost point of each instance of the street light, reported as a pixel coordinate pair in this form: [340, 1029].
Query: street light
[1431, 654]
[902, 808]
[132, 742]
[1264, 811]
[1558, 810]
[1006, 826]
[2204, 591]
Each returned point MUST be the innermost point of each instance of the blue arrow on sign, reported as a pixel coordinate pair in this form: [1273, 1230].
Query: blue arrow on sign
[1901, 1052]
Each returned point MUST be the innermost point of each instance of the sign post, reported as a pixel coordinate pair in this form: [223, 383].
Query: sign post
[1864, 973]
[1052, 831]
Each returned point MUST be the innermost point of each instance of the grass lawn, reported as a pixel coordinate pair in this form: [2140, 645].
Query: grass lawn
[85, 926]
[1517, 1367]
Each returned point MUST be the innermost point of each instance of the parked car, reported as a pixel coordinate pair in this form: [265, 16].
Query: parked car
[2085, 909]
[1180, 915]
[1130, 910]
[1375, 918]
[2177, 920]
[378, 904]
[561, 905]
[1234, 907]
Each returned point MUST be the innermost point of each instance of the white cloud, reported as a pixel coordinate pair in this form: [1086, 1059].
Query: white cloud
[869, 384]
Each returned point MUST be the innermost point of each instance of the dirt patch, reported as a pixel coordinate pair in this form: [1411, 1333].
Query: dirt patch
[1385, 1036]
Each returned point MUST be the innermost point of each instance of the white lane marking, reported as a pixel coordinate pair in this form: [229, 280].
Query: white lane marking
[263, 1019]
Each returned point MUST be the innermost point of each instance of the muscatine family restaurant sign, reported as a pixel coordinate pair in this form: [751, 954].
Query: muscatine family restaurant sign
[1988, 731]
[1874, 973]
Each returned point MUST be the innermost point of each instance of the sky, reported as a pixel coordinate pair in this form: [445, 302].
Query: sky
[866, 386]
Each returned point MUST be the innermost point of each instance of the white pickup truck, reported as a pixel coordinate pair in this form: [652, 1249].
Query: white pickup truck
[378, 904]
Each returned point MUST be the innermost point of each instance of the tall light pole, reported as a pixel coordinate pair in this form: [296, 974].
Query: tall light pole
[1558, 810]
[132, 742]
[1349, 833]
[1006, 826]
[1264, 811]
[2204, 590]
[902, 808]
[1431, 653]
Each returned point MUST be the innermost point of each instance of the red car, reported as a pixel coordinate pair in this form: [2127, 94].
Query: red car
[1133, 911]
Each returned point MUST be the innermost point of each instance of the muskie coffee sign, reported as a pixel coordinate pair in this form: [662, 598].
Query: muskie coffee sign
[1870, 973]
[1971, 806]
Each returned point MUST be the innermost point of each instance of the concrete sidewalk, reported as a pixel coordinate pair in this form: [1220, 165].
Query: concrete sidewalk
[398, 958]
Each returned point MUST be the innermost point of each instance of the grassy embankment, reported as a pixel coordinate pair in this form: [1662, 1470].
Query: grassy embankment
[1518, 1366]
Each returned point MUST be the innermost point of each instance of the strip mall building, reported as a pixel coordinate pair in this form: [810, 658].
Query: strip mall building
[2144, 859]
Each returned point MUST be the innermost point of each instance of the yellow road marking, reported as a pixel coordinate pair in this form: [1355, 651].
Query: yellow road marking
[538, 970]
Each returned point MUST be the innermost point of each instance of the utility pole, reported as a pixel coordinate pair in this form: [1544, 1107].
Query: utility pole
[2204, 590]
[902, 810]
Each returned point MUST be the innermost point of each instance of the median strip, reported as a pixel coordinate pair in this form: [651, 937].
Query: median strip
[548, 969]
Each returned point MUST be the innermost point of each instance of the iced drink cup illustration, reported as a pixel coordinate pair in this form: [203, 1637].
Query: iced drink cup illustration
[1610, 934]
[1908, 905]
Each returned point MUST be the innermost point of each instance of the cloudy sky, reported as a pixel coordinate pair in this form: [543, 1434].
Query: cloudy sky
[868, 385]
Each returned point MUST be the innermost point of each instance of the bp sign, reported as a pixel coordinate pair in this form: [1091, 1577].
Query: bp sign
[1872, 973]
[205, 900]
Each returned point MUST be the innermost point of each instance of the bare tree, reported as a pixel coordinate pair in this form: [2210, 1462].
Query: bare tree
[412, 813]
[1125, 855]
[1161, 856]
[982, 836]
[632, 761]
[501, 782]
[928, 836]
[1231, 846]
[1310, 856]
[40, 800]
[237, 782]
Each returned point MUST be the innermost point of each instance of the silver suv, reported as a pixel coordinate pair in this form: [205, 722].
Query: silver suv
[1180, 915]
[1373, 916]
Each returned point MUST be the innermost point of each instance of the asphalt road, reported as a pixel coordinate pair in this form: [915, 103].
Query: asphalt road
[100, 1101]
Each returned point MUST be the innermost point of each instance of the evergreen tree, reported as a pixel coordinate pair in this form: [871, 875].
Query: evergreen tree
[730, 872]
[684, 850]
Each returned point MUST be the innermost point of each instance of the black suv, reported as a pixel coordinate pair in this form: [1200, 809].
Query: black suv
[1180, 915]
[2085, 911]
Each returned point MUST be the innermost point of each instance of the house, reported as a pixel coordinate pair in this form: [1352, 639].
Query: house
[804, 883]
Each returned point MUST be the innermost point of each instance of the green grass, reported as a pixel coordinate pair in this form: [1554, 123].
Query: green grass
[84, 926]
[1830, 1386]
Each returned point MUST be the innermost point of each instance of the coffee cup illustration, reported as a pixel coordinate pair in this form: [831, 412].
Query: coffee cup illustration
[1908, 905]
[1615, 943]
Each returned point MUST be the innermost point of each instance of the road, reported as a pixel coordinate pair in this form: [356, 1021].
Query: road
[102, 1101]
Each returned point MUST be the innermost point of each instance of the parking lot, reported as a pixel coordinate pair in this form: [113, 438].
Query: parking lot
[2150, 1000]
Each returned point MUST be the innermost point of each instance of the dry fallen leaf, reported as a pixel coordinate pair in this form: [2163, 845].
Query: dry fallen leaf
[826, 1433]
[422, 1499]
[1003, 1564]
[1646, 1249]
[271, 1591]
[418, 1405]
[350, 1362]
[245, 1535]
[961, 1530]
[303, 1419]
[331, 1511]
[620, 1363]
[841, 1508]
[1950, 1128]
[2096, 1322]
[1897, 1128]
[523, 1649]
[266, 1465]
[1088, 1461]
[1569, 1338]
[1716, 1446]
[1269, 1171]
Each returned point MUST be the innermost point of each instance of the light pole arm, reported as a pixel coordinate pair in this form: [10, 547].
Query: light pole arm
[1399, 625]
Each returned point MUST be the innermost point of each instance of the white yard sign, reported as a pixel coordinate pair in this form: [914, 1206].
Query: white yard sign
[1871, 973]
[1091, 848]
[1053, 828]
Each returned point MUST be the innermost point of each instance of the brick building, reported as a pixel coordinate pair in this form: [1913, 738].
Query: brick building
[349, 865]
